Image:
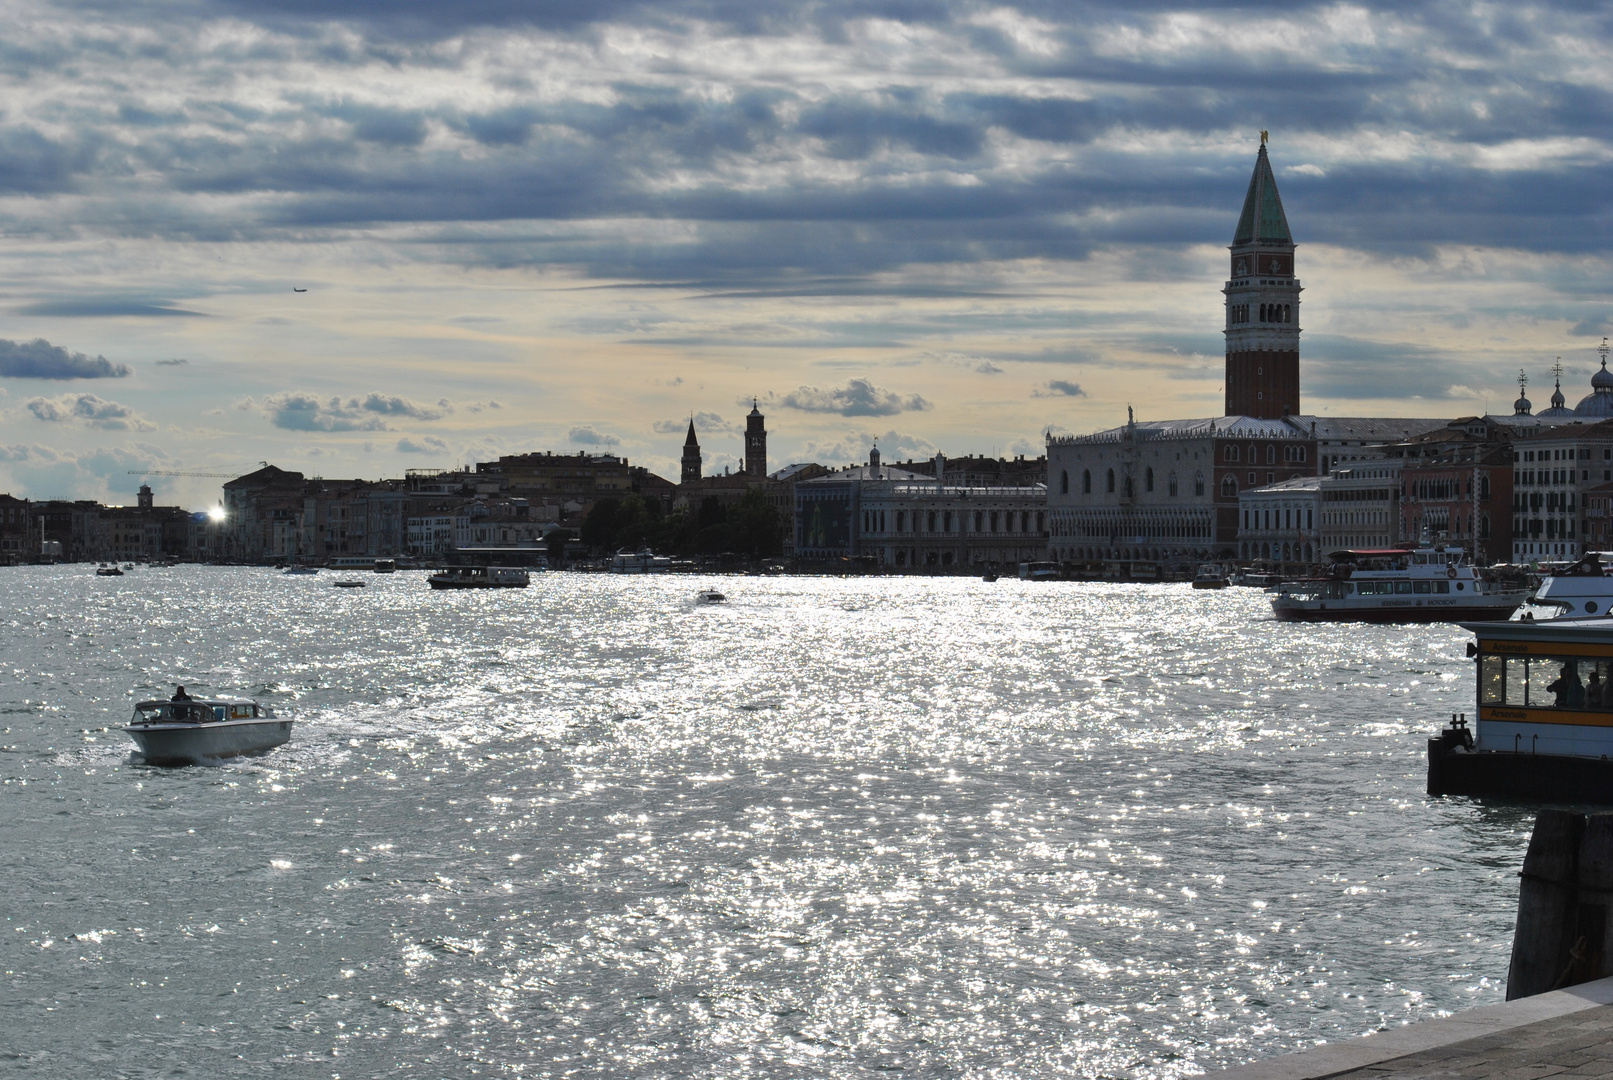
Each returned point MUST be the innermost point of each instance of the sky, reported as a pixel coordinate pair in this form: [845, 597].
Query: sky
[937, 224]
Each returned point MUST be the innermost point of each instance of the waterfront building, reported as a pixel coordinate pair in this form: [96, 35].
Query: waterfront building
[1360, 507]
[16, 529]
[1456, 487]
[1281, 523]
[1262, 305]
[584, 477]
[1165, 491]
[902, 519]
[1551, 474]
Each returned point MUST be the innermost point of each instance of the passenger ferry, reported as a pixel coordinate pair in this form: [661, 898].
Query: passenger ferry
[1543, 715]
[1396, 585]
[480, 577]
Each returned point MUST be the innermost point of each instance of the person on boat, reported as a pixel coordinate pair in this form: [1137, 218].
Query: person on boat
[1594, 691]
[1569, 690]
[180, 695]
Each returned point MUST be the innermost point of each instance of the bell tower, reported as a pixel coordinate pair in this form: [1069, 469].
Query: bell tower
[1262, 302]
[691, 456]
[755, 443]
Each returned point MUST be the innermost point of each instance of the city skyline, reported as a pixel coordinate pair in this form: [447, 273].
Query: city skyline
[947, 226]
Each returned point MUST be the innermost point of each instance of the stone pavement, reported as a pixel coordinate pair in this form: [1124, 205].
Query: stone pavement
[1567, 1033]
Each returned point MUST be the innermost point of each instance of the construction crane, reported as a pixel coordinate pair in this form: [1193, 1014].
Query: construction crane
[186, 472]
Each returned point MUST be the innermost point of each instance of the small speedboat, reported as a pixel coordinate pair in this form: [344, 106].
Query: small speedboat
[1210, 576]
[710, 596]
[191, 730]
[301, 571]
[108, 571]
[349, 584]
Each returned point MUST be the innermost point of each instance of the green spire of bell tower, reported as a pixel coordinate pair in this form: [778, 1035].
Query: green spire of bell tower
[1263, 207]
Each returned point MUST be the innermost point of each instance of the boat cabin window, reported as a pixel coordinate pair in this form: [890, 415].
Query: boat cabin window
[1545, 682]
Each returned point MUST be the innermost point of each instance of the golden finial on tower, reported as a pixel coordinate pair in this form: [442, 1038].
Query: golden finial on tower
[1264, 135]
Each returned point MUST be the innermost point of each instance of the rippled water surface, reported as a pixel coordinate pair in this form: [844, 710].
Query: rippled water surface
[831, 828]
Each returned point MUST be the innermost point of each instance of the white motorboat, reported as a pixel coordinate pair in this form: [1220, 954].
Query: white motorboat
[1580, 590]
[480, 577]
[301, 571]
[1397, 585]
[1210, 576]
[710, 596]
[191, 730]
[108, 571]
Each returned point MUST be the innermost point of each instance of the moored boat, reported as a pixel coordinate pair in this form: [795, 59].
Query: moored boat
[480, 577]
[1210, 576]
[1543, 715]
[108, 571]
[1397, 585]
[188, 730]
[1581, 589]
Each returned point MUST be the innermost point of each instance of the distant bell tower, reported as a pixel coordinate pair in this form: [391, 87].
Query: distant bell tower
[145, 497]
[1262, 305]
[755, 443]
[691, 456]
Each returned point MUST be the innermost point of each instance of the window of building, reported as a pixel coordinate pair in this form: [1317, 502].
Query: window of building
[1271, 454]
[1170, 486]
[1111, 488]
[1229, 485]
[1064, 482]
[1198, 484]
[1086, 481]
[1148, 480]
[1230, 453]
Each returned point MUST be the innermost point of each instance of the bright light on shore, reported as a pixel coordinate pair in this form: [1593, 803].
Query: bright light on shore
[217, 513]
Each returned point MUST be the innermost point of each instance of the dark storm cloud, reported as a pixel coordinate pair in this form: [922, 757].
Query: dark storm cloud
[1044, 131]
[39, 359]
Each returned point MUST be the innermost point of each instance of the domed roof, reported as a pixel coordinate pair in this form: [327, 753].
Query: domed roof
[1522, 406]
[1559, 404]
[1599, 402]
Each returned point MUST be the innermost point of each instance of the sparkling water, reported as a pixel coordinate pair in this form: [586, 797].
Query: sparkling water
[831, 827]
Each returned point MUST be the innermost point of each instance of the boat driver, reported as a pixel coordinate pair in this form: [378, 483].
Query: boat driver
[180, 695]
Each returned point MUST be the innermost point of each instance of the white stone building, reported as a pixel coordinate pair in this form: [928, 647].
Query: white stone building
[906, 520]
[1361, 507]
[1282, 522]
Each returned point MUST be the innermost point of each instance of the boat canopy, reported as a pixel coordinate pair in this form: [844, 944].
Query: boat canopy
[200, 710]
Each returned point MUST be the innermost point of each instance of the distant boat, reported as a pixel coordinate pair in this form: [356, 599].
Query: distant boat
[710, 596]
[348, 584]
[480, 577]
[302, 570]
[108, 571]
[1210, 576]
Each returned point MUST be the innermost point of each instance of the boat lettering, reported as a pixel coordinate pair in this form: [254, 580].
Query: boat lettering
[1506, 714]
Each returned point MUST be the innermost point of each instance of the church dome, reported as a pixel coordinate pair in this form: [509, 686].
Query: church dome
[1559, 405]
[1599, 402]
[1522, 406]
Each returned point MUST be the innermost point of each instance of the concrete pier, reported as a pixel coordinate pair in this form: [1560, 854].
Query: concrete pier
[1565, 1033]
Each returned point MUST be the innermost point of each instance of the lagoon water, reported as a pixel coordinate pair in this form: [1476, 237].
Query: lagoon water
[832, 828]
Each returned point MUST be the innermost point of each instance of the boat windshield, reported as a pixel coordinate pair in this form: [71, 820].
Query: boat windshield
[176, 712]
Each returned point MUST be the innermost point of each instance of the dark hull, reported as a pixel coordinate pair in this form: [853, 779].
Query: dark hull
[188, 744]
[1209, 584]
[1493, 613]
[477, 585]
[1533, 777]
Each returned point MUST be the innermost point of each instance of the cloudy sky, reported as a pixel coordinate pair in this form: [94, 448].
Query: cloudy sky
[574, 224]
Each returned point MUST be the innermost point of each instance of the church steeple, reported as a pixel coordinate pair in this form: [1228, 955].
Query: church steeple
[691, 456]
[755, 442]
[1262, 304]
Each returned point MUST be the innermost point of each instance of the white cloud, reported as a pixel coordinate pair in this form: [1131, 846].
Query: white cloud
[89, 410]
